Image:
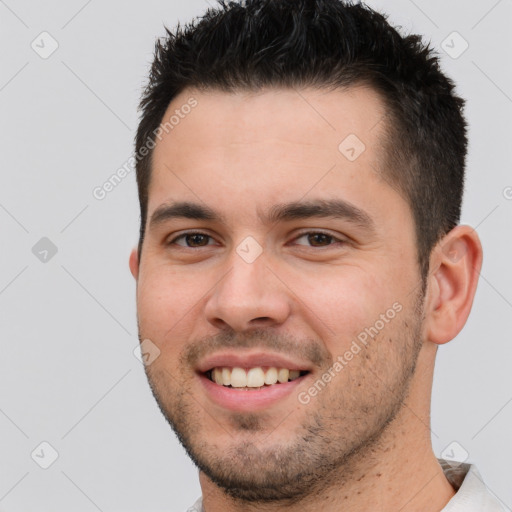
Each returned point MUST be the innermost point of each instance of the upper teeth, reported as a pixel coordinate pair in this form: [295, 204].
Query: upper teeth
[253, 377]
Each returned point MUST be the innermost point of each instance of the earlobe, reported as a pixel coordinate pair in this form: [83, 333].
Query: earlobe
[134, 263]
[455, 267]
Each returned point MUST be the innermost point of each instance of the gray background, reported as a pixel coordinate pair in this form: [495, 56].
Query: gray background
[68, 375]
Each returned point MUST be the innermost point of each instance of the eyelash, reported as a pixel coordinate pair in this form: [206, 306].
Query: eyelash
[300, 235]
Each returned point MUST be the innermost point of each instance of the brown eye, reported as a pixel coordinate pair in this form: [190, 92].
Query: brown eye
[197, 240]
[321, 239]
[316, 239]
[192, 240]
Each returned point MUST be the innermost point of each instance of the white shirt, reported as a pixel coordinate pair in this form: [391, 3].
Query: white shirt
[472, 495]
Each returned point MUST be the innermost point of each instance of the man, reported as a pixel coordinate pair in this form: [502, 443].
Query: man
[300, 169]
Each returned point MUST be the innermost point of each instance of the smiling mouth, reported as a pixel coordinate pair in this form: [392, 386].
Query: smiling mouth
[252, 378]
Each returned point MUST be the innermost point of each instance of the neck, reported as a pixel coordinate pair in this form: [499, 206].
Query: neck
[398, 473]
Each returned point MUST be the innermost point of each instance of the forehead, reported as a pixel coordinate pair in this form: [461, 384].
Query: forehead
[293, 115]
[267, 144]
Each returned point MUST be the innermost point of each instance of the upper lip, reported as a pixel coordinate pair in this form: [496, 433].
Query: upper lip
[250, 360]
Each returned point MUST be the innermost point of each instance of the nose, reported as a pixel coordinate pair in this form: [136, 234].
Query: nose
[250, 295]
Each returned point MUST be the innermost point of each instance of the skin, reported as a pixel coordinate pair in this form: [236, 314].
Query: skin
[363, 442]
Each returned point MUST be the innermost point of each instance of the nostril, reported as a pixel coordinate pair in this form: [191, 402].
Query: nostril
[261, 319]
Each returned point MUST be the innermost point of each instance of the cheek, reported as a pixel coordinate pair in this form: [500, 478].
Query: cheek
[165, 305]
[344, 300]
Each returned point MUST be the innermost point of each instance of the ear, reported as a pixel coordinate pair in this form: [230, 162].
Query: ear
[455, 265]
[134, 263]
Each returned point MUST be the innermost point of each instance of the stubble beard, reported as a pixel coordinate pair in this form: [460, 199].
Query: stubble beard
[334, 436]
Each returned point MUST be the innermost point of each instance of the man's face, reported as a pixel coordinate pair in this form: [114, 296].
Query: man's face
[269, 282]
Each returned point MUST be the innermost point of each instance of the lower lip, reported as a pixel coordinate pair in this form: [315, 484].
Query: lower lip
[243, 400]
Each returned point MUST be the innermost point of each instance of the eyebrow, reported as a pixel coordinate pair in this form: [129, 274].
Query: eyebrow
[335, 208]
[183, 210]
[297, 210]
